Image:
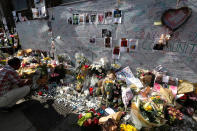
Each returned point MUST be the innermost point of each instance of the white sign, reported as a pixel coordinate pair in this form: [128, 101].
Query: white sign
[127, 75]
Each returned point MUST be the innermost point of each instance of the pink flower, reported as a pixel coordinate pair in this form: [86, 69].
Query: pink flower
[54, 74]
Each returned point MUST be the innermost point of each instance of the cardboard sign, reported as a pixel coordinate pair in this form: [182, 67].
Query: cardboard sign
[174, 18]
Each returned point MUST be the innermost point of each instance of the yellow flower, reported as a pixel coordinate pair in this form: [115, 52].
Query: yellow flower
[108, 81]
[148, 108]
[152, 98]
[128, 127]
[3, 60]
[47, 58]
[80, 77]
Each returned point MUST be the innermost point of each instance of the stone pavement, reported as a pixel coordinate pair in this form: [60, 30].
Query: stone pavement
[34, 115]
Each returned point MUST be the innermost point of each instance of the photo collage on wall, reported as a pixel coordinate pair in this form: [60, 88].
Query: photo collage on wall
[125, 45]
[107, 17]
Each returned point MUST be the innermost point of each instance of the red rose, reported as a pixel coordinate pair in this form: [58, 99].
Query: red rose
[80, 116]
[99, 114]
[96, 120]
[93, 110]
[183, 97]
[40, 93]
[86, 123]
[23, 65]
[46, 87]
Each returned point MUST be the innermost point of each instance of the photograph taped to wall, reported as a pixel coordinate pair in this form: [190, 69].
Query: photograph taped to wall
[117, 19]
[35, 13]
[133, 45]
[106, 33]
[70, 19]
[108, 42]
[116, 53]
[93, 18]
[100, 18]
[75, 19]
[43, 11]
[124, 45]
[81, 19]
[87, 18]
[108, 17]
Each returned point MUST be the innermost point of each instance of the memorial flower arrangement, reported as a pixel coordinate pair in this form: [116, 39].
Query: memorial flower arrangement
[174, 114]
[153, 109]
[90, 118]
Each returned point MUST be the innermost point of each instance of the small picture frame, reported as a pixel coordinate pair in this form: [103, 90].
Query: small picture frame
[75, 19]
[116, 53]
[133, 45]
[108, 42]
[117, 14]
[106, 33]
[124, 44]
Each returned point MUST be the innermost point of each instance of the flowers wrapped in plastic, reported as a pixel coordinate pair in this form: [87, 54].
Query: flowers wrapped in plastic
[90, 118]
[146, 114]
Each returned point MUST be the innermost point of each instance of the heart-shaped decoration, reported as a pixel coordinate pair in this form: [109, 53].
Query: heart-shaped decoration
[174, 18]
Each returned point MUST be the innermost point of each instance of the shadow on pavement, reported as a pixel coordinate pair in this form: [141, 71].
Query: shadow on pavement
[43, 116]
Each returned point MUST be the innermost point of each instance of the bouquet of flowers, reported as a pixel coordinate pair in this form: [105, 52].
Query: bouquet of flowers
[146, 113]
[90, 118]
[174, 114]
[81, 60]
